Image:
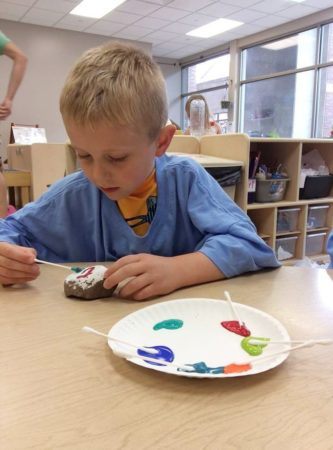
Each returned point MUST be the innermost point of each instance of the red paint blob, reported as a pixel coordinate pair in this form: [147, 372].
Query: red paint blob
[235, 327]
[85, 273]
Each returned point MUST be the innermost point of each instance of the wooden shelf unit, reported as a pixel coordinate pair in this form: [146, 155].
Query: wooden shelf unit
[233, 146]
[289, 153]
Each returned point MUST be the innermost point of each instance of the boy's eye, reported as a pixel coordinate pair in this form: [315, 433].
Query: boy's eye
[120, 159]
[83, 156]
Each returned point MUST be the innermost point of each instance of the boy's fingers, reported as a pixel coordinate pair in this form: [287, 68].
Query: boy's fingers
[17, 253]
[17, 274]
[133, 286]
[128, 271]
[17, 263]
[122, 262]
[9, 266]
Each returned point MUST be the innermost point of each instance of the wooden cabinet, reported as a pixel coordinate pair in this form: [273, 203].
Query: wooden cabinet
[46, 163]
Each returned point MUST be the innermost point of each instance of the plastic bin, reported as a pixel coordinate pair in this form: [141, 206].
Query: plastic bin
[317, 216]
[317, 186]
[272, 190]
[226, 176]
[285, 247]
[314, 244]
[227, 172]
[287, 219]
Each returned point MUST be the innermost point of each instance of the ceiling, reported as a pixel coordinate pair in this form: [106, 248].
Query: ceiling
[164, 23]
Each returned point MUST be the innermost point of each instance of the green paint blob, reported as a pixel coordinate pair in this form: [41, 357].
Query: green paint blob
[169, 324]
[254, 349]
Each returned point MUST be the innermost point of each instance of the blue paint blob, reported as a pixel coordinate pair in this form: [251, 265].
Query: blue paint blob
[169, 324]
[201, 367]
[164, 354]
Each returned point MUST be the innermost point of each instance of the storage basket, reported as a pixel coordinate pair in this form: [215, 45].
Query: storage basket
[314, 244]
[287, 219]
[272, 190]
[285, 248]
[317, 216]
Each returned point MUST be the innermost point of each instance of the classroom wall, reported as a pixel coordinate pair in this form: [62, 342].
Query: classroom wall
[51, 54]
[172, 74]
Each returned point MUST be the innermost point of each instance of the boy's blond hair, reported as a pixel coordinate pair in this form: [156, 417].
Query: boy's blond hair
[117, 83]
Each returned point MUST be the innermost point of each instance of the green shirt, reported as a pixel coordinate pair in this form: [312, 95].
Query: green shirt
[3, 41]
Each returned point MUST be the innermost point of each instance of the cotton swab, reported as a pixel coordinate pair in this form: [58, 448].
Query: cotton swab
[73, 269]
[256, 341]
[309, 343]
[131, 355]
[119, 341]
[152, 360]
[233, 309]
[124, 354]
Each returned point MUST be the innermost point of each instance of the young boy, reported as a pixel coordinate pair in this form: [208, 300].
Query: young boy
[163, 221]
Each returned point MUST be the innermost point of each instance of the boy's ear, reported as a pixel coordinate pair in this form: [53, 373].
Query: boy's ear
[164, 139]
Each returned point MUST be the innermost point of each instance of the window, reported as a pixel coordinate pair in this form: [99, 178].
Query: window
[287, 86]
[327, 44]
[291, 53]
[324, 123]
[278, 87]
[325, 100]
[209, 78]
[278, 107]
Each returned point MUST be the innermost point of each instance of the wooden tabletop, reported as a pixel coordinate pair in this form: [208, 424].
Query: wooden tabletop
[63, 389]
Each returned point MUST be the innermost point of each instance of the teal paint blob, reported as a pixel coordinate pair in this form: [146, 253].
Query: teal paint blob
[76, 269]
[169, 324]
[201, 367]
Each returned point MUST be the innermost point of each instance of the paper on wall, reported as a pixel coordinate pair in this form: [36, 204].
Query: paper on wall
[29, 135]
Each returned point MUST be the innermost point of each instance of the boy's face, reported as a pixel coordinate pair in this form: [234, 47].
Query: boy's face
[116, 159]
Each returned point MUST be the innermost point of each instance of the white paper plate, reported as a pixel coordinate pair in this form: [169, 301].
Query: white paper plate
[201, 338]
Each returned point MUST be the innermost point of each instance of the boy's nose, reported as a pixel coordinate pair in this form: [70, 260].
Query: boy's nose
[100, 174]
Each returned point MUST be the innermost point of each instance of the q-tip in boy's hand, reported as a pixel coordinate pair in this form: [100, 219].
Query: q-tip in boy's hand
[17, 264]
[149, 275]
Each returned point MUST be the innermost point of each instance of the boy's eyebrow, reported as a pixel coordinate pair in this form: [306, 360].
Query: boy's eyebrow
[77, 148]
[86, 151]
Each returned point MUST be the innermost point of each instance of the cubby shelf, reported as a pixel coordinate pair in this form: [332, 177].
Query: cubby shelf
[284, 204]
[289, 153]
[288, 233]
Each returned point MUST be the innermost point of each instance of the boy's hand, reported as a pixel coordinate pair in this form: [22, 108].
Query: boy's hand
[17, 264]
[152, 276]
